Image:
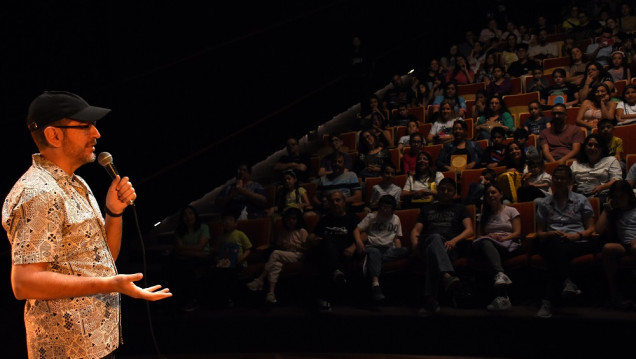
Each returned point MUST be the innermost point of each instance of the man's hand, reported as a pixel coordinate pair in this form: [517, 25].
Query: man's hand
[121, 194]
[124, 284]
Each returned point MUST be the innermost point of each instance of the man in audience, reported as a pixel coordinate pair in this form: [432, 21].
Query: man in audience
[561, 141]
[602, 50]
[337, 147]
[523, 66]
[565, 223]
[543, 49]
[345, 182]
[294, 160]
[242, 197]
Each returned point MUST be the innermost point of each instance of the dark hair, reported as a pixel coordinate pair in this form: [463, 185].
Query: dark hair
[522, 45]
[293, 212]
[502, 106]
[592, 94]
[509, 162]
[520, 133]
[429, 172]
[487, 209]
[388, 199]
[182, 229]
[560, 71]
[533, 161]
[563, 168]
[498, 130]
[622, 186]
[630, 86]
[489, 172]
[448, 182]
[582, 156]
[602, 72]
[462, 123]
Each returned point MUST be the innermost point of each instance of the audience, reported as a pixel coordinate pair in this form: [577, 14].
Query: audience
[596, 106]
[470, 151]
[497, 115]
[594, 170]
[242, 197]
[626, 108]
[420, 187]
[561, 141]
[372, 155]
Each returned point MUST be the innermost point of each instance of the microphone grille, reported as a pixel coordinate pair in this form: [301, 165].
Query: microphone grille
[105, 159]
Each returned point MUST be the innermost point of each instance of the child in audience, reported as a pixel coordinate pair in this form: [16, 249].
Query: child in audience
[535, 184]
[536, 122]
[378, 235]
[232, 251]
[385, 187]
[495, 154]
[538, 82]
[614, 144]
[291, 245]
[289, 194]
[476, 189]
[626, 108]
[521, 138]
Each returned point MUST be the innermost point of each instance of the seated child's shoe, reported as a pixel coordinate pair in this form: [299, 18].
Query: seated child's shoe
[255, 285]
[271, 298]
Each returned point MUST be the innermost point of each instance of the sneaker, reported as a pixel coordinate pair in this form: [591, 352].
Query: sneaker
[570, 289]
[499, 303]
[270, 298]
[429, 309]
[255, 285]
[621, 303]
[546, 309]
[376, 293]
[502, 279]
[339, 278]
[450, 282]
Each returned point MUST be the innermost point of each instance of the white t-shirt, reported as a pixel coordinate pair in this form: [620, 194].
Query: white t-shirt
[381, 232]
[627, 110]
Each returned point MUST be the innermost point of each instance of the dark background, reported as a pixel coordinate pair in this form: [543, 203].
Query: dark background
[196, 87]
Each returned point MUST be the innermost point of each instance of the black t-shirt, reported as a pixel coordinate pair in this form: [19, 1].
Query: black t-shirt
[445, 219]
[517, 69]
[338, 229]
[302, 158]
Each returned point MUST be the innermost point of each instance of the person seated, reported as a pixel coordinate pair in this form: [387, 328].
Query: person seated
[593, 170]
[601, 51]
[497, 115]
[500, 85]
[617, 224]
[450, 94]
[543, 49]
[372, 155]
[588, 28]
[626, 108]
[614, 144]
[192, 252]
[402, 116]
[520, 136]
[619, 69]
[486, 71]
[596, 106]
[409, 157]
[492, 32]
[375, 107]
[523, 65]
[461, 73]
[381, 131]
[411, 128]
[536, 122]
[335, 248]
[481, 104]
[420, 187]
[576, 71]
[476, 189]
[536, 182]
[378, 236]
[385, 187]
[337, 148]
[561, 141]
[289, 195]
[398, 93]
[440, 227]
[499, 238]
[565, 223]
[241, 197]
[508, 53]
[345, 182]
[460, 146]
[441, 130]
[294, 160]
[539, 82]
[494, 154]
[595, 75]
[560, 88]
[291, 244]
[515, 163]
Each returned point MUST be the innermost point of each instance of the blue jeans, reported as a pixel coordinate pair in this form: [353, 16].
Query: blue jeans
[437, 262]
[377, 254]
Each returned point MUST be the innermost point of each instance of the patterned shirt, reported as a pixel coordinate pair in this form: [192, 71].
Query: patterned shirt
[569, 219]
[52, 217]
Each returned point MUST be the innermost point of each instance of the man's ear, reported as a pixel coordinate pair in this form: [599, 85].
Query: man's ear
[53, 136]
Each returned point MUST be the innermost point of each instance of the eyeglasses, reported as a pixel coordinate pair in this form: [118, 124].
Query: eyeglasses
[79, 127]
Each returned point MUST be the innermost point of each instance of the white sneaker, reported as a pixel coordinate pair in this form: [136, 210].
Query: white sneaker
[546, 309]
[502, 279]
[499, 303]
[570, 289]
[255, 285]
[270, 298]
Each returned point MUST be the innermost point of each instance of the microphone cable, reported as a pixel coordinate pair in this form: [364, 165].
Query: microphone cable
[145, 280]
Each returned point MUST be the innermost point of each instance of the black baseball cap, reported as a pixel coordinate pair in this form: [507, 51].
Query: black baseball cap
[51, 106]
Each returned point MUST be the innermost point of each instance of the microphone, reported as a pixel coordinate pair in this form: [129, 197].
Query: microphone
[106, 160]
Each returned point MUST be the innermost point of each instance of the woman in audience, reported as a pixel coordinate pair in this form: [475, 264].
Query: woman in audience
[618, 67]
[617, 223]
[461, 73]
[481, 104]
[411, 128]
[595, 75]
[596, 106]
[422, 95]
[421, 186]
[450, 94]
[442, 129]
[500, 232]
[381, 131]
[626, 109]
[372, 155]
[514, 158]
[476, 58]
[578, 67]
[459, 146]
[497, 115]
[594, 171]
[486, 69]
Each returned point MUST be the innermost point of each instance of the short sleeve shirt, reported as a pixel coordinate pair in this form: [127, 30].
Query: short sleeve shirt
[447, 220]
[569, 219]
[52, 217]
[381, 232]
